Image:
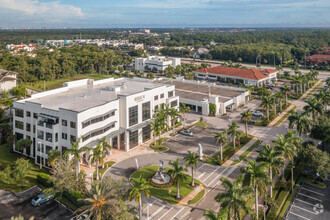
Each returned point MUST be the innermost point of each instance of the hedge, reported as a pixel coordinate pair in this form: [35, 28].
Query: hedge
[73, 197]
[44, 179]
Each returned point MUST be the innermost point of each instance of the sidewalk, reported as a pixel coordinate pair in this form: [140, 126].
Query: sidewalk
[239, 152]
[191, 195]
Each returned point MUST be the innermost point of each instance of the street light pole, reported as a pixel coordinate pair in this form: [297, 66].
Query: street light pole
[148, 205]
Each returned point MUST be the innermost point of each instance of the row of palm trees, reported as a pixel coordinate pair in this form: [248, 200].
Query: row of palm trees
[304, 81]
[256, 177]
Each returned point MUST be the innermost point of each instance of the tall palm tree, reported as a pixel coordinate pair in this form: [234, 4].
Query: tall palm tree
[324, 97]
[177, 173]
[97, 157]
[285, 89]
[22, 144]
[273, 160]
[233, 132]
[222, 215]
[155, 129]
[246, 118]
[75, 151]
[167, 114]
[300, 121]
[234, 198]
[184, 109]
[255, 174]
[173, 115]
[275, 100]
[101, 202]
[139, 188]
[53, 157]
[267, 102]
[221, 138]
[313, 107]
[191, 161]
[105, 147]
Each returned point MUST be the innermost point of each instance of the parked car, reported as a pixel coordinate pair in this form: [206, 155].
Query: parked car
[40, 199]
[257, 113]
[186, 132]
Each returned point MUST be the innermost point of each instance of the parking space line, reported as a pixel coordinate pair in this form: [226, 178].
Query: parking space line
[305, 202]
[157, 211]
[299, 215]
[309, 197]
[177, 214]
[304, 209]
[312, 191]
[200, 166]
[211, 174]
[201, 175]
[152, 203]
[165, 213]
[217, 176]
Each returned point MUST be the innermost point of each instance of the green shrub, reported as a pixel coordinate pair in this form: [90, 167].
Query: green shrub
[44, 179]
[73, 197]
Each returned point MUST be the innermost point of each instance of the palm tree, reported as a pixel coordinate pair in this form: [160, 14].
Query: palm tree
[173, 114]
[155, 129]
[97, 156]
[324, 97]
[22, 144]
[53, 157]
[177, 173]
[246, 118]
[191, 160]
[279, 96]
[250, 87]
[300, 121]
[274, 99]
[255, 174]
[314, 107]
[222, 139]
[268, 103]
[183, 109]
[105, 147]
[222, 215]
[273, 160]
[75, 151]
[285, 89]
[101, 202]
[139, 188]
[233, 132]
[234, 198]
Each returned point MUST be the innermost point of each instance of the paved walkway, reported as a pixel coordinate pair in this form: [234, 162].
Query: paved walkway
[239, 152]
[191, 195]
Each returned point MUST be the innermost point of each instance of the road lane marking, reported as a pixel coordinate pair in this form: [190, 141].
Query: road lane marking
[299, 215]
[202, 174]
[157, 211]
[217, 177]
[309, 197]
[200, 166]
[176, 214]
[305, 202]
[312, 191]
[304, 209]
[210, 174]
[165, 213]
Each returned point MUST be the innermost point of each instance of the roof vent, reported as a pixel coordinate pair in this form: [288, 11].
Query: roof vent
[85, 96]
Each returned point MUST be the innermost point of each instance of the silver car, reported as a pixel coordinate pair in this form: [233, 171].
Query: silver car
[187, 132]
[257, 113]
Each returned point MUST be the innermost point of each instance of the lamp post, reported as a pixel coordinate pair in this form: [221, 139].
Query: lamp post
[265, 209]
[148, 205]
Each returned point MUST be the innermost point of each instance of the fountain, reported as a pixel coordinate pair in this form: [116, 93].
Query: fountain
[161, 177]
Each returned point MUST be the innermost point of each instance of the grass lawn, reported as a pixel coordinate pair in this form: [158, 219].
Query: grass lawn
[107, 165]
[227, 151]
[197, 198]
[7, 158]
[311, 182]
[163, 193]
[57, 83]
[287, 202]
[201, 124]
[159, 146]
[249, 150]
[285, 116]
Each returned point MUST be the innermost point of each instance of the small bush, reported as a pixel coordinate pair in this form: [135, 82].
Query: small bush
[73, 197]
[44, 179]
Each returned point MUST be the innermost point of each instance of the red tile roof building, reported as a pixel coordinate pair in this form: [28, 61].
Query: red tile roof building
[317, 59]
[237, 75]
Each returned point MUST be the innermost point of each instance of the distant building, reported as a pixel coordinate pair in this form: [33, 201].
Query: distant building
[7, 80]
[317, 59]
[158, 63]
[20, 47]
[233, 75]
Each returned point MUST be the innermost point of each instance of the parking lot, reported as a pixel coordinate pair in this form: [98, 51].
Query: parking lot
[20, 204]
[309, 203]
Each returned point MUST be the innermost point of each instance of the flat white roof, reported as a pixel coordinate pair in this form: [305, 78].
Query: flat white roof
[90, 94]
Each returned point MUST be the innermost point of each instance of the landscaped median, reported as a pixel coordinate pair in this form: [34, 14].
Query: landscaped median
[247, 152]
[279, 122]
[167, 193]
[107, 165]
[159, 145]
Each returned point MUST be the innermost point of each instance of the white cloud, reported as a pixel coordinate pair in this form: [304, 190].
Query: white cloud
[53, 11]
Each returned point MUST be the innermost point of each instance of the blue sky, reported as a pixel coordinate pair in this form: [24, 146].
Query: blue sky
[165, 13]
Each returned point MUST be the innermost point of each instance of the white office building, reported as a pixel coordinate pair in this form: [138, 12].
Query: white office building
[118, 109]
[156, 63]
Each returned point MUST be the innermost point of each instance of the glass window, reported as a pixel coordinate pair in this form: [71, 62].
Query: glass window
[49, 137]
[40, 134]
[28, 127]
[48, 125]
[73, 138]
[85, 124]
[162, 95]
[35, 115]
[170, 94]
[28, 114]
[156, 107]
[64, 149]
[174, 103]
[64, 123]
[146, 133]
[156, 97]
[72, 124]
[19, 113]
[133, 139]
[64, 136]
[19, 125]
[145, 111]
[56, 137]
[133, 115]
[48, 148]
